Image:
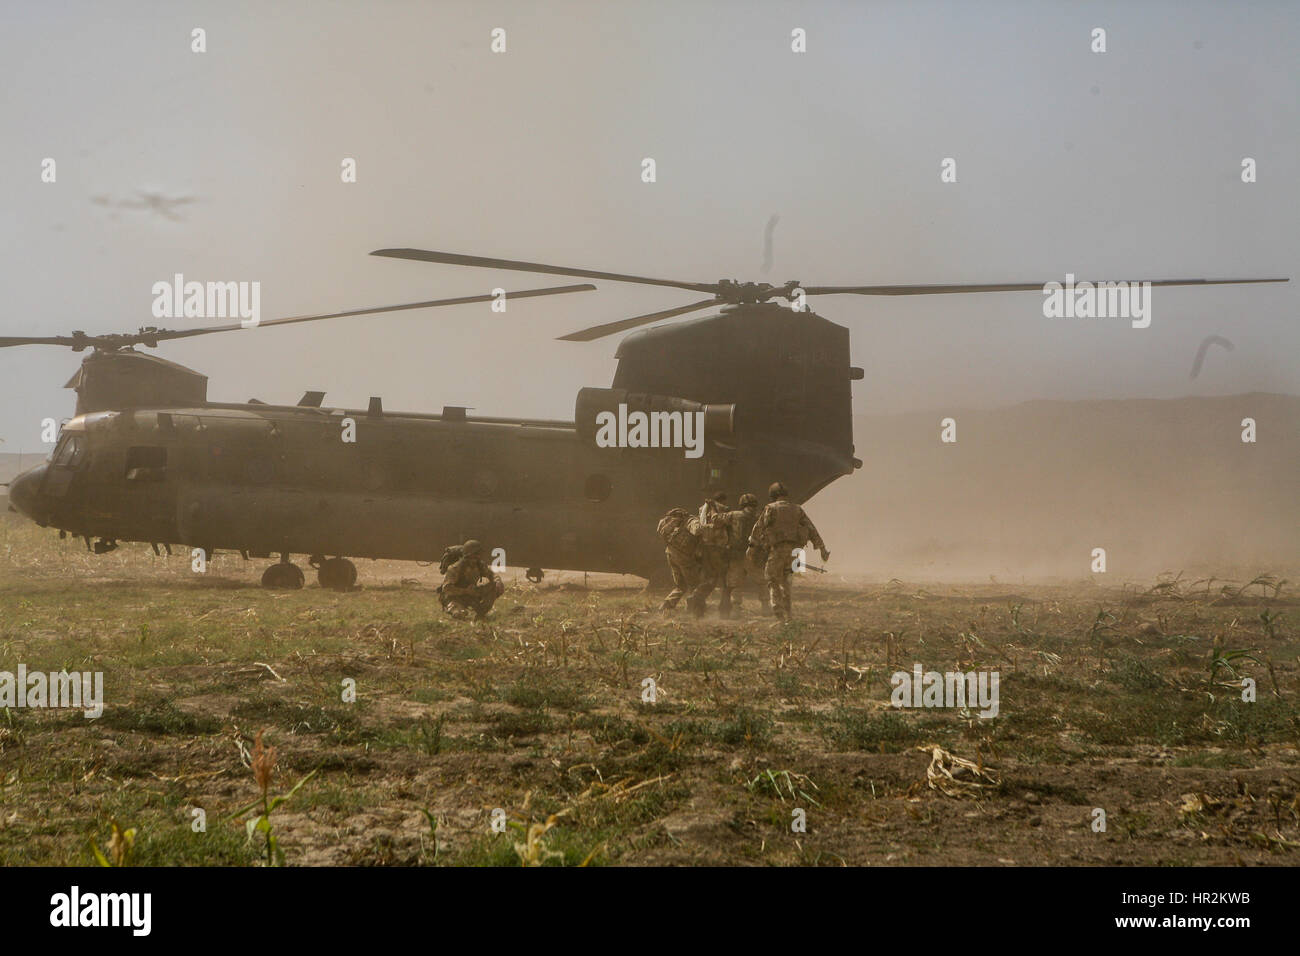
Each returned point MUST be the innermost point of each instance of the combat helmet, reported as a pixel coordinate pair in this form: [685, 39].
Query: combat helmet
[777, 490]
[472, 548]
[748, 501]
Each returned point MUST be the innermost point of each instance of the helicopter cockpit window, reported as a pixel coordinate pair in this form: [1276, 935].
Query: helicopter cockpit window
[70, 451]
[146, 463]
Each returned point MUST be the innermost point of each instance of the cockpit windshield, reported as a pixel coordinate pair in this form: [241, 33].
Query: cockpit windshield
[69, 452]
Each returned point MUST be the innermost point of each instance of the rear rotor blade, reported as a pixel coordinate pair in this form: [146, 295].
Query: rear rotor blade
[451, 258]
[1005, 287]
[609, 328]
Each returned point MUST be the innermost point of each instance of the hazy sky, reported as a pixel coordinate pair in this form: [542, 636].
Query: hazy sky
[1117, 165]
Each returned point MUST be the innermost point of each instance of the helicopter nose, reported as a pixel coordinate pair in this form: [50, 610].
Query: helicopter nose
[23, 491]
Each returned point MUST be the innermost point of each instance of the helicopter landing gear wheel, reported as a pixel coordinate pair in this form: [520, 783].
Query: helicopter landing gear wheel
[535, 575]
[283, 577]
[337, 574]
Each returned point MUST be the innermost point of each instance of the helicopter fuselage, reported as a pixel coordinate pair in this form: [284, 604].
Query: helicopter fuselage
[368, 483]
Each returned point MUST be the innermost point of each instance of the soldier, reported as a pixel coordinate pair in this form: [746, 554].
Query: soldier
[682, 550]
[714, 551]
[468, 584]
[782, 528]
[739, 525]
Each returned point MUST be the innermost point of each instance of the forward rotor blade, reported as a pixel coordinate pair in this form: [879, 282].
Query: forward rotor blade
[8, 340]
[1005, 287]
[431, 304]
[609, 328]
[453, 259]
[152, 337]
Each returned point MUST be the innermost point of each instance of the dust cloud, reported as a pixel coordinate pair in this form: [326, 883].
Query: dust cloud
[1028, 491]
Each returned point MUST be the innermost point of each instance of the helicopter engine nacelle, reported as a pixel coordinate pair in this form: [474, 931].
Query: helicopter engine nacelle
[664, 415]
[108, 381]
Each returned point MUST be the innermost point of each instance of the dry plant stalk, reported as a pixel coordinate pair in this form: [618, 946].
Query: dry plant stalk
[955, 776]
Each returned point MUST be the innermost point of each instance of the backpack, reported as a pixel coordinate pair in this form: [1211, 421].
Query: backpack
[786, 522]
[450, 557]
[675, 530]
[713, 530]
[740, 524]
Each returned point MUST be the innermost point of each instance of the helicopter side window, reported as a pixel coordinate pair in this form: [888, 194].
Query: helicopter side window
[70, 451]
[146, 463]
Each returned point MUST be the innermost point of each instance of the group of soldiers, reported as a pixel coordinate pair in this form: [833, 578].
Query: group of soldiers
[722, 548]
[715, 548]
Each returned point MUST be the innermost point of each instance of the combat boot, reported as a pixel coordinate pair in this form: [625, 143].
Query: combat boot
[724, 604]
[457, 610]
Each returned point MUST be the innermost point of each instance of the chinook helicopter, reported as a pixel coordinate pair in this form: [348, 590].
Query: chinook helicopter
[148, 458]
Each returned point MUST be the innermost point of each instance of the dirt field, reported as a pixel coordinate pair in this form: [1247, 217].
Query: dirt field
[1126, 699]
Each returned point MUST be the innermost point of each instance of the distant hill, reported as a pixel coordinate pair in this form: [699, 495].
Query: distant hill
[1031, 489]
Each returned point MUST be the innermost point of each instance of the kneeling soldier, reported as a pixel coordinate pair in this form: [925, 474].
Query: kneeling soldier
[469, 586]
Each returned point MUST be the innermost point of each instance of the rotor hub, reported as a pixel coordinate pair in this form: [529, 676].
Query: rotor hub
[732, 292]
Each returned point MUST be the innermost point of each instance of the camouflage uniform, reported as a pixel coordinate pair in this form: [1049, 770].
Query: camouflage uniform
[714, 551]
[682, 552]
[469, 586]
[783, 527]
[739, 525]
